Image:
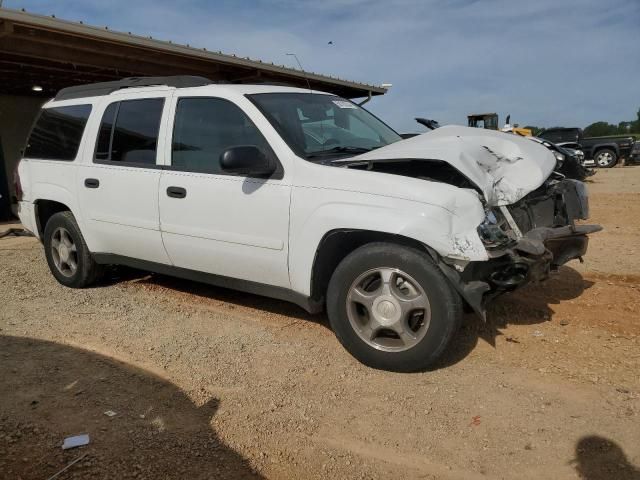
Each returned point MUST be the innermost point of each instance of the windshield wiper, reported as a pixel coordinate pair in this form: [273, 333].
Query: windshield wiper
[338, 150]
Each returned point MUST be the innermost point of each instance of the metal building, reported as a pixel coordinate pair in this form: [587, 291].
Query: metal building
[40, 55]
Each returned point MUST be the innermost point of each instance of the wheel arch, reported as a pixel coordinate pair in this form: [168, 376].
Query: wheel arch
[609, 146]
[49, 198]
[44, 210]
[336, 244]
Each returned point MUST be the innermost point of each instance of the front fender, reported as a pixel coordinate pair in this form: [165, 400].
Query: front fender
[450, 231]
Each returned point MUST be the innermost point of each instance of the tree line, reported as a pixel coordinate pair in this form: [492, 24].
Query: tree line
[601, 129]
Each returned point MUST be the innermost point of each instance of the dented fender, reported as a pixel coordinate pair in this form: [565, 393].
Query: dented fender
[315, 213]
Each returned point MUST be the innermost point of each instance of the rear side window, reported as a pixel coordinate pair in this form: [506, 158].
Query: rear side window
[206, 127]
[57, 133]
[554, 136]
[129, 132]
[560, 136]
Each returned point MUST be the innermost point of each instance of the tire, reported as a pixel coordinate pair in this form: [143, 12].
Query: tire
[605, 158]
[64, 247]
[369, 330]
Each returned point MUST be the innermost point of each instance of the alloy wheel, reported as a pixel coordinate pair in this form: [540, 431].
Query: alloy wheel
[604, 159]
[64, 252]
[388, 309]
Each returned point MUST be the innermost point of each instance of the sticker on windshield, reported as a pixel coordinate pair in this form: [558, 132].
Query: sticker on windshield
[343, 104]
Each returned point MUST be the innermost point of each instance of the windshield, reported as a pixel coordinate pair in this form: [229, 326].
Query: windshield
[318, 126]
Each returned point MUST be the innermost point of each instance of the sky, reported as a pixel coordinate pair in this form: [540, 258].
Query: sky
[546, 62]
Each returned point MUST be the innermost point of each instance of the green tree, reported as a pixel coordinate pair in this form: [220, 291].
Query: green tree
[599, 129]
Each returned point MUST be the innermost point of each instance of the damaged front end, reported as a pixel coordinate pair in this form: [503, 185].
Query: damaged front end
[525, 241]
[531, 209]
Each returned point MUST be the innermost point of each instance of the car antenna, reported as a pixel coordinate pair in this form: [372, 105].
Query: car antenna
[301, 69]
[308, 85]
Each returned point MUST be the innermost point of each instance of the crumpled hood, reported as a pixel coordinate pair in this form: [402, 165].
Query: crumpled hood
[505, 167]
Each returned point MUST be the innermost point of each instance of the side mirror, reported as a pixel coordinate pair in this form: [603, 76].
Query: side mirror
[246, 160]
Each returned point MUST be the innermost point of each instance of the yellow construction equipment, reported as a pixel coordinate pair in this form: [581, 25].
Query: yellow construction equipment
[490, 122]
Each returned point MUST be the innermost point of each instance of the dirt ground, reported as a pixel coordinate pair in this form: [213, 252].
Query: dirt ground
[210, 383]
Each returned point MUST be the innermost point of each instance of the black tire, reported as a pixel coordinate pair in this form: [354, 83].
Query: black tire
[87, 271]
[445, 306]
[608, 157]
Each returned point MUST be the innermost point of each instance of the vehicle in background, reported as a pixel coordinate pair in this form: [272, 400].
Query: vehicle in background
[634, 157]
[570, 161]
[430, 124]
[490, 122]
[425, 122]
[483, 120]
[579, 154]
[603, 152]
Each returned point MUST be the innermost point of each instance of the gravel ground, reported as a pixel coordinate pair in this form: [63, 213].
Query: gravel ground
[210, 383]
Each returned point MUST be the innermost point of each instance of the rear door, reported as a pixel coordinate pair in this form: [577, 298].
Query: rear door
[118, 183]
[229, 225]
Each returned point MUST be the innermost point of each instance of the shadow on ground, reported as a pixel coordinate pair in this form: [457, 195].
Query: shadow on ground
[530, 305]
[598, 458]
[51, 391]
[527, 306]
[210, 292]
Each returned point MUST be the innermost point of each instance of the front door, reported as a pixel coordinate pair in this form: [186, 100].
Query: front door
[228, 225]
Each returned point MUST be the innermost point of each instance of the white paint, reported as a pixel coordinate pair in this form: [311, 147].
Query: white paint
[268, 231]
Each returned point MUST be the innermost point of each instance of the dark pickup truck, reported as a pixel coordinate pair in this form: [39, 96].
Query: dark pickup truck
[635, 153]
[604, 151]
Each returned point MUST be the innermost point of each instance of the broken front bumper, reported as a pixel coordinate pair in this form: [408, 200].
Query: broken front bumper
[531, 259]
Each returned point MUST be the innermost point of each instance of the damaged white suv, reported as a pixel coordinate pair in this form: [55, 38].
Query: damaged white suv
[297, 195]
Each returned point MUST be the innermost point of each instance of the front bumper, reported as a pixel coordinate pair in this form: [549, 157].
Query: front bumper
[547, 217]
[535, 255]
[539, 252]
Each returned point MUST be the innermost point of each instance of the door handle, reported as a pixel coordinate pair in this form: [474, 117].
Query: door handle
[91, 182]
[176, 192]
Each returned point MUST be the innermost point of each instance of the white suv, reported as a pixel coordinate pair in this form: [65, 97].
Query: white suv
[299, 195]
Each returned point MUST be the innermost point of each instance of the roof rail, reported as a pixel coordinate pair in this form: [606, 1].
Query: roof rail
[105, 88]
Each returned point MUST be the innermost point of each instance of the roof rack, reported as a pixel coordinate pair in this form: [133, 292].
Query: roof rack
[105, 88]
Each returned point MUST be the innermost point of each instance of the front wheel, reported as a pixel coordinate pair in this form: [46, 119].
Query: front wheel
[392, 308]
[605, 158]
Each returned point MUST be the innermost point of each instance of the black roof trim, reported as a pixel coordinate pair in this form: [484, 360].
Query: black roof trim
[105, 88]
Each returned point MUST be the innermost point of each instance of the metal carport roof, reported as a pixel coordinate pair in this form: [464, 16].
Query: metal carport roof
[54, 53]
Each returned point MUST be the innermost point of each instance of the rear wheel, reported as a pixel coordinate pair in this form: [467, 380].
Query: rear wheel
[605, 158]
[392, 308]
[67, 253]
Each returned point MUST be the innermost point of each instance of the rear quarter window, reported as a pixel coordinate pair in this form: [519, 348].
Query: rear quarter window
[57, 133]
[129, 132]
